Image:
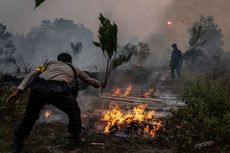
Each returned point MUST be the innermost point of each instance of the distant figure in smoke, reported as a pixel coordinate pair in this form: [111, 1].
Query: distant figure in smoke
[53, 83]
[176, 61]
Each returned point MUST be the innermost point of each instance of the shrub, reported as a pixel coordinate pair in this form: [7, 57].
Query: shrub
[206, 117]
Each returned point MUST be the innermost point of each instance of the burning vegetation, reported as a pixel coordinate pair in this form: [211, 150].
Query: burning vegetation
[149, 93]
[119, 92]
[128, 91]
[132, 123]
[136, 121]
[202, 124]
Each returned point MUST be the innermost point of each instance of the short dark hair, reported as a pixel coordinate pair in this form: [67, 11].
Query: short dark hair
[64, 57]
[174, 45]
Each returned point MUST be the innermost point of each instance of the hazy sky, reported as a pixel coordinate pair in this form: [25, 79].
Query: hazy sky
[142, 18]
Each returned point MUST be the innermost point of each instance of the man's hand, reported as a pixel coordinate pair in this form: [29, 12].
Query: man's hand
[103, 84]
[12, 99]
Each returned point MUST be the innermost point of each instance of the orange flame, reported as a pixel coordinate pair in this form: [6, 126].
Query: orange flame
[152, 131]
[118, 92]
[128, 90]
[114, 116]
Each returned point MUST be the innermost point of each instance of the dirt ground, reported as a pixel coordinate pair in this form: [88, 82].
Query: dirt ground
[48, 138]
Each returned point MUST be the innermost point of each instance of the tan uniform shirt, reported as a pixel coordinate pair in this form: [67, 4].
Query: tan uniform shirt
[57, 70]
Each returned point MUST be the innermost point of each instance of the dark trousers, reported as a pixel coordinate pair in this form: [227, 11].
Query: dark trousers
[38, 98]
[176, 67]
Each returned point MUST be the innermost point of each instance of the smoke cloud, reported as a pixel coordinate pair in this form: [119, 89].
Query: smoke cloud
[145, 19]
[134, 17]
[183, 13]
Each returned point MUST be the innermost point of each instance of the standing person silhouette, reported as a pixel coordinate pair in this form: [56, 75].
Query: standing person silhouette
[176, 61]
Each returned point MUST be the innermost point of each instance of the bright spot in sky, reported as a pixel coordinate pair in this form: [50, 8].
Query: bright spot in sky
[169, 22]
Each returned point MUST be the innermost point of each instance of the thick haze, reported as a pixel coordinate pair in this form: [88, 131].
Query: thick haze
[145, 19]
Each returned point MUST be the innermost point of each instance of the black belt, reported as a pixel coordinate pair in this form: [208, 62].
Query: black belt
[52, 85]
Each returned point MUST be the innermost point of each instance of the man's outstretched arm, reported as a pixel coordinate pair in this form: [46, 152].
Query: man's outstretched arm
[25, 82]
[94, 82]
[12, 99]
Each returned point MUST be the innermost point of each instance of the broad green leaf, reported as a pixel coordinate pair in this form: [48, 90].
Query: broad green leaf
[107, 35]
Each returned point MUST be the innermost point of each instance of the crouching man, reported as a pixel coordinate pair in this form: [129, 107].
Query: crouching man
[55, 83]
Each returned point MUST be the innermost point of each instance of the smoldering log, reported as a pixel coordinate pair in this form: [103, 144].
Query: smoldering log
[129, 99]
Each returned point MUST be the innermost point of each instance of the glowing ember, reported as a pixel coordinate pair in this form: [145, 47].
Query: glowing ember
[152, 131]
[116, 119]
[47, 115]
[149, 93]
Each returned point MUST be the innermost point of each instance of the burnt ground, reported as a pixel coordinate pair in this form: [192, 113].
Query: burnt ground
[48, 138]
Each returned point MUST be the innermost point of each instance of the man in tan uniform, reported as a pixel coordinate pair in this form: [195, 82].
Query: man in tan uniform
[53, 86]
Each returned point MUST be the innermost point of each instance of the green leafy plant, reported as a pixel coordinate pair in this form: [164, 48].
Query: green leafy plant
[107, 35]
[204, 119]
